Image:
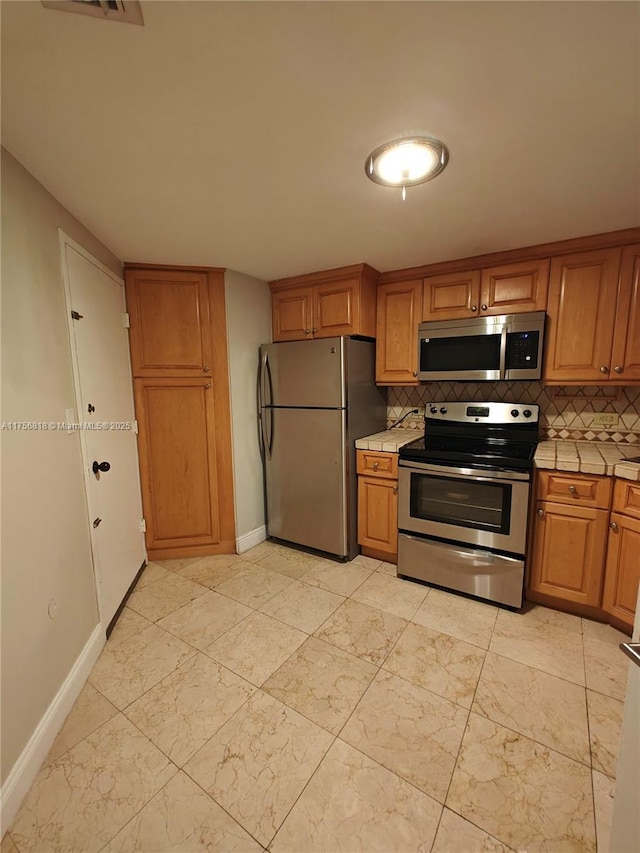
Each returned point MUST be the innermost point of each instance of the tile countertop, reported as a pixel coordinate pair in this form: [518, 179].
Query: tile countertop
[390, 440]
[587, 457]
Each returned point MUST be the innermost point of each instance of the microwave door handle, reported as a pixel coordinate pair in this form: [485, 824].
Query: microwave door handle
[503, 352]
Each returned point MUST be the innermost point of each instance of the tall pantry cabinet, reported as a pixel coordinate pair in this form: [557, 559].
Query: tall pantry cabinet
[181, 387]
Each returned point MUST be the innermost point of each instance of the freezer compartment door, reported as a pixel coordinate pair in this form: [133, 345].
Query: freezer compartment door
[304, 373]
[306, 478]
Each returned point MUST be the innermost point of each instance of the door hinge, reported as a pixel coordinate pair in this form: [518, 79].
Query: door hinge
[143, 525]
[127, 320]
[135, 427]
[76, 316]
[97, 521]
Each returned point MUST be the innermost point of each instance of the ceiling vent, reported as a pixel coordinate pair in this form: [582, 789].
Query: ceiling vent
[127, 11]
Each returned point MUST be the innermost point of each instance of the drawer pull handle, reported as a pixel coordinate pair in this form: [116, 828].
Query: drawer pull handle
[375, 466]
[541, 513]
[573, 490]
[614, 526]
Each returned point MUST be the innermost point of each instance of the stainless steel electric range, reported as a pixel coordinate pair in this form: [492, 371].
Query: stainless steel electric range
[463, 499]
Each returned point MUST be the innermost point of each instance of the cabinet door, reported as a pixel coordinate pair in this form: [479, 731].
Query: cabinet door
[626, 339]
[568, 552]
[514, 288]
[335, 309]
[397, 333]
[451, 296]
[378, 514]
[177, 462]
[170, 323]
[582, 307]
[622, 572]
[291, 314]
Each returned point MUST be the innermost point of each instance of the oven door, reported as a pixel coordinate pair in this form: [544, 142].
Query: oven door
[485, 508]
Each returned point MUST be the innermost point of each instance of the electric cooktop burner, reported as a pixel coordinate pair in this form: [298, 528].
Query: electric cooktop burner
[487, 435]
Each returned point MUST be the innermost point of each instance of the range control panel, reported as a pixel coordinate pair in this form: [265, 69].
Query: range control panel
[488, 413]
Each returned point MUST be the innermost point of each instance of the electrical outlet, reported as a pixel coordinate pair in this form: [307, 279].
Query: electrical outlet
[420, 411]
[605, 419]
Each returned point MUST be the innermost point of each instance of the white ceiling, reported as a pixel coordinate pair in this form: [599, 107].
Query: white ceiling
[235, 134]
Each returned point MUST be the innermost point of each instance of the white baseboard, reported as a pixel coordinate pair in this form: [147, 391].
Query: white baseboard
[24, 771]
[251, 539]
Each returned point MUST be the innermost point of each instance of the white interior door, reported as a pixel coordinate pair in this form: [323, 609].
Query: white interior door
[104, 397]
[625, 827]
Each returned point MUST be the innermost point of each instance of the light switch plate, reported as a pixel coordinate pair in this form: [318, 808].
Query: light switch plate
[605, 419]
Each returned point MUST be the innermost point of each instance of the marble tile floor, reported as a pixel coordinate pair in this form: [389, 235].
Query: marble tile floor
[276, 701]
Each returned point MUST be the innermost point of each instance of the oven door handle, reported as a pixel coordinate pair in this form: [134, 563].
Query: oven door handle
[457, 473]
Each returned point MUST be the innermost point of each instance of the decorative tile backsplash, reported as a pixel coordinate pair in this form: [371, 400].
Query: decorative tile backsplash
[565, 412]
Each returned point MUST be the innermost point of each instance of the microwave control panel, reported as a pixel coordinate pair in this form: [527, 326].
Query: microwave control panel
[522, 350]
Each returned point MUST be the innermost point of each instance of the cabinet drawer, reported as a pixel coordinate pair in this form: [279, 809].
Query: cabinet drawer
[377, 463]
[575, 489]
[626, 498]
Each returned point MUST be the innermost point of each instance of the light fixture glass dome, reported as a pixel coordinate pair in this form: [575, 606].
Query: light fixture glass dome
[407, 162]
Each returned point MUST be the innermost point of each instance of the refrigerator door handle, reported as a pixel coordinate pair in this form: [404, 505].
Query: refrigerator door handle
[269, 442]
[259, 401]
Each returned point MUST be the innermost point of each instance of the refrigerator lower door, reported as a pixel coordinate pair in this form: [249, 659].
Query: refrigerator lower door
[306, 478]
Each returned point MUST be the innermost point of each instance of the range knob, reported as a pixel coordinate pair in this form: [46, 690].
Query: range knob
[443, 410]
[527, 413]
[434, 410]
[515, 413]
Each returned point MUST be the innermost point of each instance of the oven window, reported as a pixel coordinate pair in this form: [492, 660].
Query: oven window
[462, 503]
[466, 352]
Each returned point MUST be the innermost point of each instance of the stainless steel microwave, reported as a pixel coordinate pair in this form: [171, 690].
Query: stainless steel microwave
[508, 346]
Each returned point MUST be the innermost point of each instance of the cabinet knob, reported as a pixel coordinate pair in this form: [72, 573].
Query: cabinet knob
[474, 307]
[395, 490]
[573, 490]
[540, 512]
[206, 369]
[618, 368]
[207, 386]
[415, 372]
[314, 331]
[604, 369]
[484, 307]
[307, 331]
[613, 526]
[375, 466]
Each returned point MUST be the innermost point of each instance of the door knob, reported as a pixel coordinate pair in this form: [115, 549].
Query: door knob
[100, 466]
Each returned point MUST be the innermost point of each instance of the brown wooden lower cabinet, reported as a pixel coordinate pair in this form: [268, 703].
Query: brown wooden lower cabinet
[378, 503]
[179, 469]
[585, 558]
[568, 552]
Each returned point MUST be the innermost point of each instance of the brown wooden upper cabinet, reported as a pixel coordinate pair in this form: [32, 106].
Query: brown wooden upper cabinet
[170, 322]
[504, 289]
[593, 333]
[397, 332]
[324, 304]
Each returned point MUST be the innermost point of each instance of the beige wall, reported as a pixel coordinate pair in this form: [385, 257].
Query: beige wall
[45, 536]
[248, 326]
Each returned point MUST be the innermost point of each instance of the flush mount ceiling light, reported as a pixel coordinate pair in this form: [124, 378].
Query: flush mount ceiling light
[407, 162]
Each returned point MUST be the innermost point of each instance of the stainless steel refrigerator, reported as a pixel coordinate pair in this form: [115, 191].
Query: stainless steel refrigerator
[315, 399]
